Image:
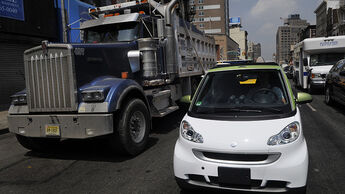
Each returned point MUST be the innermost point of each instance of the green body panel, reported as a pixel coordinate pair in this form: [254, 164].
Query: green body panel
[245, 67]
[303, 98]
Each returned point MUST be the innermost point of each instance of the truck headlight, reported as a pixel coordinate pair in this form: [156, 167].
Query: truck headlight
[289, 134]
[19, 99]
[189, 134]
[93, 96]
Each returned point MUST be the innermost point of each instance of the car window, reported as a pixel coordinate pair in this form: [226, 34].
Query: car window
[242, 92]
[338, 66]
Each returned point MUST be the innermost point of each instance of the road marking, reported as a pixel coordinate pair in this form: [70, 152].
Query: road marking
[312, 108]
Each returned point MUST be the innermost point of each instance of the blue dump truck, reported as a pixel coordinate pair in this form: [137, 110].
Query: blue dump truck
[136, 61]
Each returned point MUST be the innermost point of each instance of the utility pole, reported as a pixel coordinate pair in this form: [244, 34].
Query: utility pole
[64, 22]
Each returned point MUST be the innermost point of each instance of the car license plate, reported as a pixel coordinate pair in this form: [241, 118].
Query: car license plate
[234, 176]
[52, 130]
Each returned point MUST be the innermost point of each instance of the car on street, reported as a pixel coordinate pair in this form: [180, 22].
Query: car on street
[335, 84]
[288, 71]
[243, 132]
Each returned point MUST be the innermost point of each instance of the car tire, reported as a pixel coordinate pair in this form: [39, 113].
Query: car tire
[310, 88]
[184, 186]
[328, 96]
[133, 126]
[38, 144]
[302, 190]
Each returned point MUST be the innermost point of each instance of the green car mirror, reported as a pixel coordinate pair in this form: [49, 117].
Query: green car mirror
[303, 98]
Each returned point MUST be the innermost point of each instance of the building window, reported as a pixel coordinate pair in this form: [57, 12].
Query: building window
[201, 25]
[200, 7]
[201, 13]
[201, 1]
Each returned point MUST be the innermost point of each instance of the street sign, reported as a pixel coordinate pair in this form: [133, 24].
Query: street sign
[13, 9]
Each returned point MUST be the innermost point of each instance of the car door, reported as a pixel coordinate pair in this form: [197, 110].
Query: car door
[337, 82]
[341, 84]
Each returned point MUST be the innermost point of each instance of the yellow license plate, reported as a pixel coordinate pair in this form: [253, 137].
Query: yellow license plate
[52, 130]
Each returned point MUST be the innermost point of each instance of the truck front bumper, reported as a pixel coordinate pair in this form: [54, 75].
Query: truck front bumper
[76, 126]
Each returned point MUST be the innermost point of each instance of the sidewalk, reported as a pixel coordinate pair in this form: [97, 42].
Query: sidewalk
[3, 122]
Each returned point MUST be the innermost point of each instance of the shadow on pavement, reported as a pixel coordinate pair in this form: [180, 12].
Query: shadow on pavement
[4, 131]
[86, 150]
[168, 123]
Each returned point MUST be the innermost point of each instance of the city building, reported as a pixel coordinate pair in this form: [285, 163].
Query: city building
[287, 35]
[308, 32]
[212, 17]
[327, 17]
[24, 25]
[254, 50]
[241, 37]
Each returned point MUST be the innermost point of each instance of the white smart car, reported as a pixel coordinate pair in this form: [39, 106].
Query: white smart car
[243, 132]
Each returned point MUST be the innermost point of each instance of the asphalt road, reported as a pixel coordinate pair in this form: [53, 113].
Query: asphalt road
[88, 166]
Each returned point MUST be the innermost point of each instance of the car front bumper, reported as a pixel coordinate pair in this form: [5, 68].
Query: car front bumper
[282, 174]
[76, 126]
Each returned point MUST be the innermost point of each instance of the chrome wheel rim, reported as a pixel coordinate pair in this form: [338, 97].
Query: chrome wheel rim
[137, 126]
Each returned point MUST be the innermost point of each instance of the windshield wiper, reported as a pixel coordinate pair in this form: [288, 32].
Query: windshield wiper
[270, 109]
[229, 110]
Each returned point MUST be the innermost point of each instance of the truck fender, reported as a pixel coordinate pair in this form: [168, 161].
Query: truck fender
[116, 90]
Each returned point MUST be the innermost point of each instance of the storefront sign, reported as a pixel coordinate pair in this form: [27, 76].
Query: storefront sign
[13, 9]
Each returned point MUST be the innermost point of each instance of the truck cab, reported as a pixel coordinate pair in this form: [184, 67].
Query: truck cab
[136, 61]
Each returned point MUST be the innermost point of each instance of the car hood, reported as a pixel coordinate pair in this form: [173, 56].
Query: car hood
[238, 136]
[322, 69]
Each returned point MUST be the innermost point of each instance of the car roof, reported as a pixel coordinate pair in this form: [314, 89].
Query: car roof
[244, 66]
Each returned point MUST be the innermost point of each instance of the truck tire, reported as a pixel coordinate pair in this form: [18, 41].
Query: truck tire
[133, 127]
[38, 144]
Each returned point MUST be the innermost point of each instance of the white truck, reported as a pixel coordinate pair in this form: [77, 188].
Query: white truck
[313, 58]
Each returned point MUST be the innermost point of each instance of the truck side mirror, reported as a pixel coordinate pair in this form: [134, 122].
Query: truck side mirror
[305, 62]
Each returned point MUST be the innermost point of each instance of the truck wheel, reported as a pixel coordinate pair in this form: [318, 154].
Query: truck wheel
[133, 127]
[37, 144]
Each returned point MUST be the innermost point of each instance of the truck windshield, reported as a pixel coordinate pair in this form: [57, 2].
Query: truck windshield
[242, 93]
[325, 59]
[112, 33]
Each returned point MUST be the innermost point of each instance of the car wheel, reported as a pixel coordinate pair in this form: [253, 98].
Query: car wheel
[38, 144]
[302, 190]
[133, 126]
[185, 187]
[328, 96]
[310, 88]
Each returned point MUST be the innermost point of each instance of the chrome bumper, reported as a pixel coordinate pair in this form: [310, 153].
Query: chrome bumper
[77, 126]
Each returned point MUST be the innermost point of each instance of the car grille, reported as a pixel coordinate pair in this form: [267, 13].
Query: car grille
[237, 158]
[50, 79]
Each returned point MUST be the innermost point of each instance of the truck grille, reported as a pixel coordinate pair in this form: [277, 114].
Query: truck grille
[50, 79]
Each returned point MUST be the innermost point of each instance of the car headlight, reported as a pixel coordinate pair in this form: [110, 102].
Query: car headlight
[315, 75]
[19, 99]
[189, 134]
[93, 96]
[289, 134]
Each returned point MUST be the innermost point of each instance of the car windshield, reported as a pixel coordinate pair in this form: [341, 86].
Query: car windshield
[242, 93]
[325, 59]
[112, 33]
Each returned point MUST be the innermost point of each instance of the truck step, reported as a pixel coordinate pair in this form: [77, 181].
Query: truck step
[166, 111]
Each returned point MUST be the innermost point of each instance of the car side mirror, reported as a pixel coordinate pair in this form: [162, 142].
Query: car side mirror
[305, 62]
[303, 98]
[186, 99]
[342, 73]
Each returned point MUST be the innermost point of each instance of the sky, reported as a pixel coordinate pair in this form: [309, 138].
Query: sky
[261, 18]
